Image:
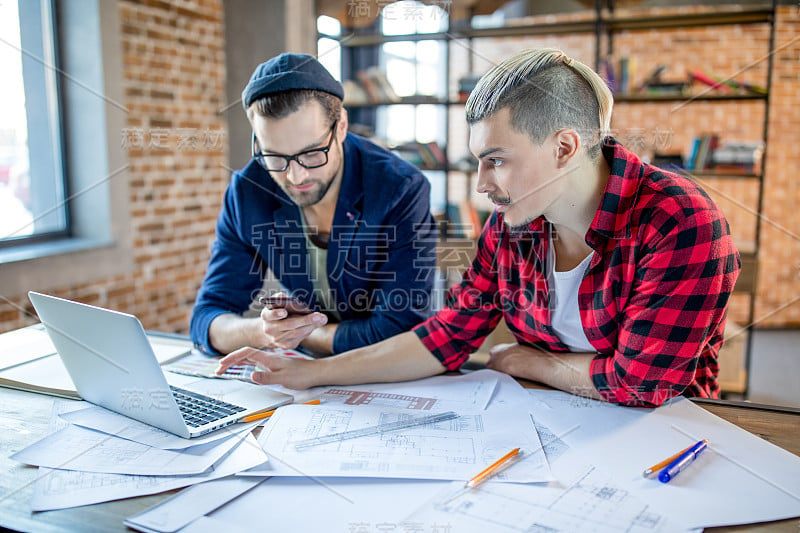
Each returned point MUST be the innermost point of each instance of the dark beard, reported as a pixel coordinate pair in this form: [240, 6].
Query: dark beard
[305, 200]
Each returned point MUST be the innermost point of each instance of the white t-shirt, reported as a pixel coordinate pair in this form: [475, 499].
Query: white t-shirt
[565, 313]
[317, 271]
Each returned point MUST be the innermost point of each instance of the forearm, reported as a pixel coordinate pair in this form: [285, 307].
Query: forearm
[229, 332]
[570, 372]
[566, 372]
[320, 341]
[399, 358]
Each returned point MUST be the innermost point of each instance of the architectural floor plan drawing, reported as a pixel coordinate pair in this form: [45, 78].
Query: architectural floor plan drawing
[385, 399]
[449, 450]
[469, 392]
[583, 499]
[588, 505]
[58, 489]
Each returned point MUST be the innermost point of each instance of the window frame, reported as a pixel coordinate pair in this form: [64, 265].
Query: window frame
[98, 244]
[45, 125]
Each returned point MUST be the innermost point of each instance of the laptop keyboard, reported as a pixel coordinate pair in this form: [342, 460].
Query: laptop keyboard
[198, 409]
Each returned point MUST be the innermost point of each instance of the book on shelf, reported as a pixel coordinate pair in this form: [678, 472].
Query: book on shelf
[354, 93]
[409, 152]
[689, 164]
[463, 221]
[455, 229]
[385, 89]
[426, 156]
[376, 86]
[429, 159]
[653, 77]
[737, 157]
[667, 88]
[703, 147]
[668, 161]
[436, 153]
[725, 85]
[466, 84]
[369, 86]
[701, 77]
[656, 85]
[627, 67]
[608, 74]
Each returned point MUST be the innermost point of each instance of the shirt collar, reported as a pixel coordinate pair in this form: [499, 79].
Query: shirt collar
[612, 219]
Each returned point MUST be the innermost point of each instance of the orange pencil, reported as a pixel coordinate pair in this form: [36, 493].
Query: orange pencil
[492, 469]
[267, 414]
[658, 466]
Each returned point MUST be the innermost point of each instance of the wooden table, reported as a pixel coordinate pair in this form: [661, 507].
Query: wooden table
[25, 417]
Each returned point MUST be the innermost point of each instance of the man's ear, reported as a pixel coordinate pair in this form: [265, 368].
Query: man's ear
[568, 144]
[343, 124]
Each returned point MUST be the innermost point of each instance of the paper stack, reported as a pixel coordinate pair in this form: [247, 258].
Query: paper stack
[93, 455]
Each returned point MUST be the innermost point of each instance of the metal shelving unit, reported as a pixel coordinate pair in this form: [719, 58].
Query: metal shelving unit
[610, 24]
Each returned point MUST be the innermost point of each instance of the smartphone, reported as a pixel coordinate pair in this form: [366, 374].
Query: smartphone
[293, 306]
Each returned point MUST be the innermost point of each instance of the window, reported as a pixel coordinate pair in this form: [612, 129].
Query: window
[88, 200]
[414, 68]
[32, 184]
[329, 51]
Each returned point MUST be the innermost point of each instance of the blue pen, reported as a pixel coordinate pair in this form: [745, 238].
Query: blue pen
[679, 464]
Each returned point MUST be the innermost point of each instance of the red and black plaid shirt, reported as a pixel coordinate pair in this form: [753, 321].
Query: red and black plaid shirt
[653, 302]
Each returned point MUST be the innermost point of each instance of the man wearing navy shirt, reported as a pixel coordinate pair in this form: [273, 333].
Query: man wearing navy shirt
[343, 224]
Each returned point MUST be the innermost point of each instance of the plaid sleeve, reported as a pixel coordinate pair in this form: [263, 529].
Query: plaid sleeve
[686, 267]
[472, 308]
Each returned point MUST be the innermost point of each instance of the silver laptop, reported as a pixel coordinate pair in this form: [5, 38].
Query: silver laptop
[110, 360]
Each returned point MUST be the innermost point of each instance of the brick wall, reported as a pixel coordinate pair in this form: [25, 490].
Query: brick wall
[778, 301]
[175, 139]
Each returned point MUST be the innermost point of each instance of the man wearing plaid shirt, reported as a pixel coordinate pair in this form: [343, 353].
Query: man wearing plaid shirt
[613, 275]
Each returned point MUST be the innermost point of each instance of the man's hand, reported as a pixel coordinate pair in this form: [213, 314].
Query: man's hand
[514, 359]
[285, 331]
[273, 369]
[569, 372]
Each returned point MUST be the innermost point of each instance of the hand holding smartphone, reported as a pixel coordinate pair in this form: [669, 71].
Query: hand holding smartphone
[293, 306]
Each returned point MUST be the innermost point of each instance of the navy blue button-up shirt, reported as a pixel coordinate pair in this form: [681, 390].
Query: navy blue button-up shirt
[381, 251]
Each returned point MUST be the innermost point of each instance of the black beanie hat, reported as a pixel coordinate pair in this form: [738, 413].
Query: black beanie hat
[288, 72]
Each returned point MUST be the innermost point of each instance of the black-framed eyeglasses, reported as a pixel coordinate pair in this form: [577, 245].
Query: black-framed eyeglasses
[315, 158]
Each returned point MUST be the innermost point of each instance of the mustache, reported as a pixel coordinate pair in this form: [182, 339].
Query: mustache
[500, 200]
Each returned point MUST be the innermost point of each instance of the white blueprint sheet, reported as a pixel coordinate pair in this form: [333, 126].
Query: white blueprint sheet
[103, 420]
[469, 392]
[331, 505]
[59, 489]
[24, 345]
[455, 449]
[508, 394]
[77, 448]
[739, 479]
[581, 500]
[292, 504]
[190, 504]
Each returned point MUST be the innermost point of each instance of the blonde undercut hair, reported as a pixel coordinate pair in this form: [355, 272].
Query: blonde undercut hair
[545, 91]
